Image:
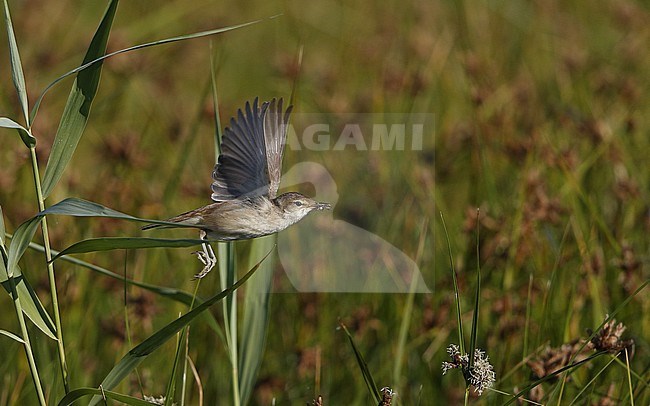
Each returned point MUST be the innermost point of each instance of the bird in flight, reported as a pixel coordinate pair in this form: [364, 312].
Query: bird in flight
[245, 184]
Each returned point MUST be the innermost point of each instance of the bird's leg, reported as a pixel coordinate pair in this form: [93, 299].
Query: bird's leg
[206, 256]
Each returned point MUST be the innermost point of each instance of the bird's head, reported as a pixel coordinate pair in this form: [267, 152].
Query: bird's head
[295, 206]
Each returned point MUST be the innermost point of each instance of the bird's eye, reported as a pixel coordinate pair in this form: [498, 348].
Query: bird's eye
[298, 203]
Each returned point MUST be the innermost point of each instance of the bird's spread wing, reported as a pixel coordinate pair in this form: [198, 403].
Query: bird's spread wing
[250, 162]
[275, 134]
[241, 169]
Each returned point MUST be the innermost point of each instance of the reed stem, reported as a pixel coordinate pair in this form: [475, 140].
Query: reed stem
[50, 271]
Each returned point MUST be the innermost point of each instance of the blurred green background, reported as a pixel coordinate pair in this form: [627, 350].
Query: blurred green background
[541, 120]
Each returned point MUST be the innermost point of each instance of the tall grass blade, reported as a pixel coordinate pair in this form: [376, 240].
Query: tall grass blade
[365, 371]
[16, 66]
[255, 317]
[182, 347]
[186, 365]
[472, 337]
[629, 377]
[142, 350]
[28, 139]
[77, 109]
[170, 393]
[459, 320]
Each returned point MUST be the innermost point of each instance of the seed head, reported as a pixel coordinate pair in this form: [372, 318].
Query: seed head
[481, 375]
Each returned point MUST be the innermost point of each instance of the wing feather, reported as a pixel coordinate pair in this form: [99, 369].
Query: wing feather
[241, 169]
[275, 135]
[250, 163]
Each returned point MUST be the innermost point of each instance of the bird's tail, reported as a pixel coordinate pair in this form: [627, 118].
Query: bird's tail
[186, 218]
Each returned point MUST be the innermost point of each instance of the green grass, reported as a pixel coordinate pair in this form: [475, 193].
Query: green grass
[541, 120]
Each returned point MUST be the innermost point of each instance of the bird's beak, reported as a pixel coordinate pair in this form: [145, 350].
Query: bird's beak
[323, 206]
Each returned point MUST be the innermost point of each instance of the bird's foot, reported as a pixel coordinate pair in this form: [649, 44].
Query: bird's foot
[206, 269]
[207, 258]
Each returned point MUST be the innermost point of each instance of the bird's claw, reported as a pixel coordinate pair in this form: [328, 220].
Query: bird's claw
[201, 256]
[203, 273]
[207, 258]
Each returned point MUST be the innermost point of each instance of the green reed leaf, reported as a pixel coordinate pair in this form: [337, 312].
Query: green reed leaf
[115, 243]
[77, 109]
[75, 207]
[16, 66]
[28, 139]
[12, 336]
[19, 243]
[365, 371]
[30, 303]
